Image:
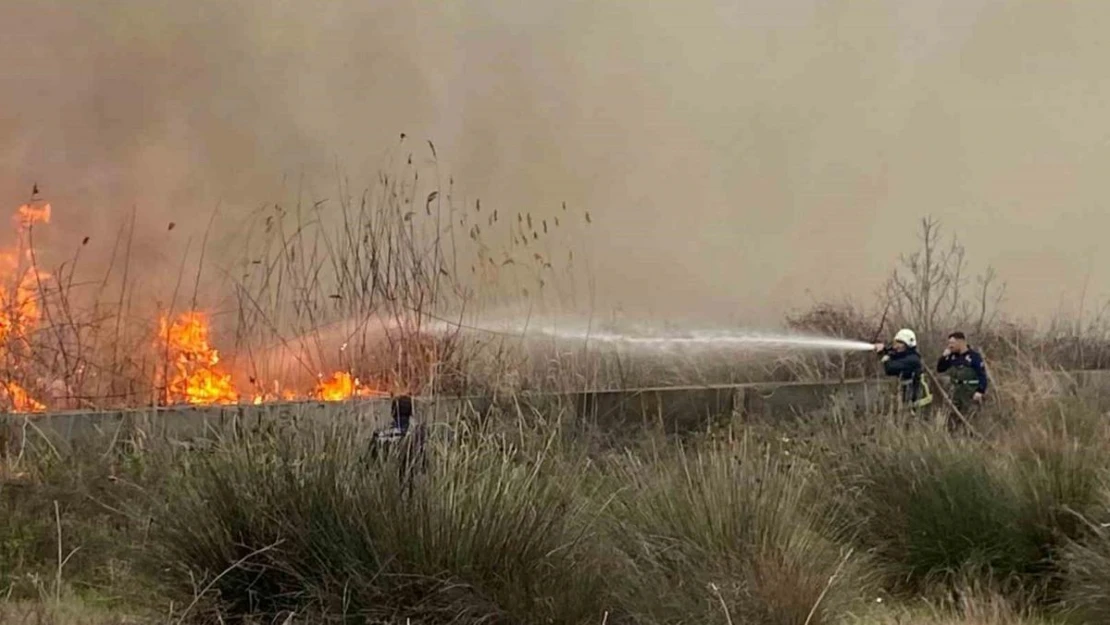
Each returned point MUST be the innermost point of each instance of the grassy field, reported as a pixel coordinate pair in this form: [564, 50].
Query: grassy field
[864, 519]
[527, 518]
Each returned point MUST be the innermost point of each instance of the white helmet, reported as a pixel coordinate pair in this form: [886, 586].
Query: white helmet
[905, 335]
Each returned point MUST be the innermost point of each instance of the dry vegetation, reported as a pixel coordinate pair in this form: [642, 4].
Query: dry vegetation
[863, 519]
[860, 519]
[350, 287]
[354, 287]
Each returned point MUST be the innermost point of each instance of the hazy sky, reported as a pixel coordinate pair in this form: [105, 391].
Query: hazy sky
[733, 154]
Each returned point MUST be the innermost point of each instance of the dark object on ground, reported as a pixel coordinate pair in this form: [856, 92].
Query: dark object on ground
[400, 410]
[402, 439]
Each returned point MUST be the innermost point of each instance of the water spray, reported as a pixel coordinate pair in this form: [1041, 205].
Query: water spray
[300, 356]
[646, 339]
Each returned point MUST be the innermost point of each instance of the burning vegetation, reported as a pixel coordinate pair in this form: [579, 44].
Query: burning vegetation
[196, 376]
[189, 369]
[306, 295]
[20, 289]
[193, 373]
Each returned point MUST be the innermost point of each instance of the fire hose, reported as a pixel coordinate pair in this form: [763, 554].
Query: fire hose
[952, 406]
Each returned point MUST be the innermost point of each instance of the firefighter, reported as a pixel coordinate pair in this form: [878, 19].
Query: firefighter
[901, 359]
[967, 374]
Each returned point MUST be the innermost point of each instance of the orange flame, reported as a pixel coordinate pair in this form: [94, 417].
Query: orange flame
[20, 399]
[196, 378]
[275, 395]
[19, 305]
[341, 386]
[29, 215]
[20, 312]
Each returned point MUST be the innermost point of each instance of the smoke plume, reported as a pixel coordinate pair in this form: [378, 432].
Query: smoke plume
[737, 158]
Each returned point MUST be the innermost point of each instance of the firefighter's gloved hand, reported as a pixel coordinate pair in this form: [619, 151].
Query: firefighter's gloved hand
[977, 397]
[885, 358]
[878, 347]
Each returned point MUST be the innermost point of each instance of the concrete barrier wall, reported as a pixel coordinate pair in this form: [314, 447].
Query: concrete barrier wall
[677, 409]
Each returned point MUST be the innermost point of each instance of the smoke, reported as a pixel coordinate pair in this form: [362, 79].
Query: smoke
[738, 158]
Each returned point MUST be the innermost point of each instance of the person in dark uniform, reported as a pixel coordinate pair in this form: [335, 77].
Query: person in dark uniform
[900, 359]
[967, 375]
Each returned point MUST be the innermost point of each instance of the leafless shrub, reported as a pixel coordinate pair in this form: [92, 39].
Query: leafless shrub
[931, 290]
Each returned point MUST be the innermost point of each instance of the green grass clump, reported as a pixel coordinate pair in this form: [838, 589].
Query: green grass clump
[730, 534]
[486, 532]
[932, 507]
[936, 509]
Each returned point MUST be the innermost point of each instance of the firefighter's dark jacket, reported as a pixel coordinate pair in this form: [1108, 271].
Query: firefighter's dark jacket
[970, 358]
[904, 364]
